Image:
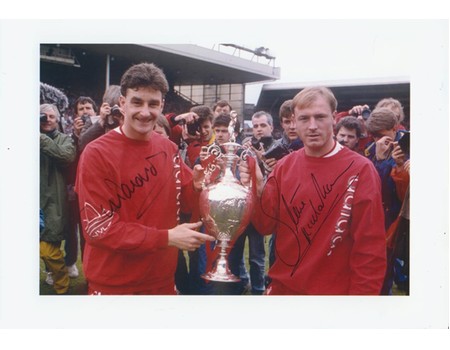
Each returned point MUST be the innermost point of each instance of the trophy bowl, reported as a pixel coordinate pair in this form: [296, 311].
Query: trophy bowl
[225, 206]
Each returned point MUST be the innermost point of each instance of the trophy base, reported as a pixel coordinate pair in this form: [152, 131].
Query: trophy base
[220, 277]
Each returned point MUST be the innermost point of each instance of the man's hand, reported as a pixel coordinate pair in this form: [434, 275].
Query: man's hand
[398, 155]
[105, 110]
[184, 237]
[383, 147]
[188, 117]
[198, 176]
[77, 126]
[270, 163]
[357, 110]
[246, 177]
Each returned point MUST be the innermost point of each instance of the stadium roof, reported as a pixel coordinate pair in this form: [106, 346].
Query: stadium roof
[183, 64]
[348, 93]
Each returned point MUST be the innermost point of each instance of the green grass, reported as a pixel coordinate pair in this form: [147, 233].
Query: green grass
[78, 285]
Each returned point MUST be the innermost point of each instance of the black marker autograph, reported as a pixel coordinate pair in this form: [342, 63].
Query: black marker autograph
[304, 235]
[125, 191]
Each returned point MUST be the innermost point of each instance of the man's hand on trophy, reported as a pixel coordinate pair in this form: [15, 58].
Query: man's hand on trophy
[184, 237]
[198, 177]
[246, 169]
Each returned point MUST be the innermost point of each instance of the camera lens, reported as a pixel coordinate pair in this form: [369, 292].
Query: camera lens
[366, 114]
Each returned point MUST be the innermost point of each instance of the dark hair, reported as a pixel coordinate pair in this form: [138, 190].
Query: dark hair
[82, 100]
[144, 75]
[285, 111]
[222, 120]
[204, 113]
[350, 123]
[221, 103]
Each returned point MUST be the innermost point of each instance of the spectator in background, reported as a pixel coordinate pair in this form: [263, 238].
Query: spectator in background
[57, 151]
[132, 187]
[84, 112]
[221, 107]
[348, 132]
[391, 163]
[109, 118]
[162, 126]
[396, 107]
[201, 134]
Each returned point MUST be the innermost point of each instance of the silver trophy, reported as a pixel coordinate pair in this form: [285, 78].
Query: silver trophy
[225, 204]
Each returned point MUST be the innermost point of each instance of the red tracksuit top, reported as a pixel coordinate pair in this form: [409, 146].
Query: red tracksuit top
[329, 223]
[127, 196]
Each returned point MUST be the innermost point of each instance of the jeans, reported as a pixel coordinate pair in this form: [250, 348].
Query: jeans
[256, 258]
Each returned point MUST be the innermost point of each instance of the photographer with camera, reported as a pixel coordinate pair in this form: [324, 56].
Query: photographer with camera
[85, 111]
[197, 131]
[109, 118]
[57, 152]
[390, 155]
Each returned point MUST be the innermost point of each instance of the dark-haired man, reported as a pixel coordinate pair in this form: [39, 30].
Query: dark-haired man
[348, 132]
[132, 188]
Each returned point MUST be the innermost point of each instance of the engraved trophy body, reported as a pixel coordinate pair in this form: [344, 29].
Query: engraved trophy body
[225, 204]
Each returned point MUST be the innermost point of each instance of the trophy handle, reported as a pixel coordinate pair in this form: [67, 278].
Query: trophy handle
[244, 158]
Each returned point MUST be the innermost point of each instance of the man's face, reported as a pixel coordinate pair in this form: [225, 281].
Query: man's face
[289, 128]
[51, 123]
[206, 130]
[347, 137]
[86, 108]
[219, 110]
[315, 127]
[222, 134]
[141, 108]
[261, 127]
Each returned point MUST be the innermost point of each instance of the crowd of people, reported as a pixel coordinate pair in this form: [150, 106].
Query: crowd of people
[122, 183]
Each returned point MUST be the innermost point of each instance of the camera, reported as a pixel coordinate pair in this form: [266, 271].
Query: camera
[115, 111]
[43, 118]
[277, 152]
[112, 120]
[84, 118]
[365, 114]
[404, 143]
[266, 141]
[193, 128]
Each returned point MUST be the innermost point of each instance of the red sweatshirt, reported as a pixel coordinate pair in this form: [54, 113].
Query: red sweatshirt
[328, 218]
[127, 195]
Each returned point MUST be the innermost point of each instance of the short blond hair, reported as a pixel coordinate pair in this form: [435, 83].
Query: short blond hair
[308, 95]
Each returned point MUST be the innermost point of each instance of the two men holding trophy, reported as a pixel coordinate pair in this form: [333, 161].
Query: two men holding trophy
[322, 202]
